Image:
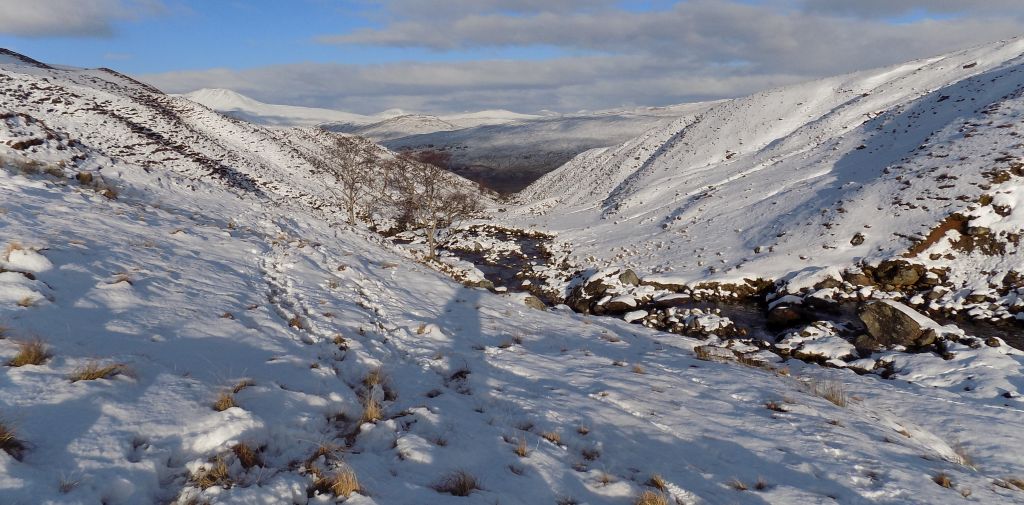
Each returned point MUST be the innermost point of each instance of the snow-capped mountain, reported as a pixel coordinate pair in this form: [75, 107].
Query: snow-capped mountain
[919, 162]
[242, 107]
[184, 320]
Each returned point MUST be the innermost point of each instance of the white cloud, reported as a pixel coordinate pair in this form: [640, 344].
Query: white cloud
[69, 18]
[698, 49]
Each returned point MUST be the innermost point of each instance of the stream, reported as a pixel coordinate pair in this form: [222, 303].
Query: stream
[506, 272]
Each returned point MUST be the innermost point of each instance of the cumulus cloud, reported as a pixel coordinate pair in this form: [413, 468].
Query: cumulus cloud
[69, 18]
[693, 50]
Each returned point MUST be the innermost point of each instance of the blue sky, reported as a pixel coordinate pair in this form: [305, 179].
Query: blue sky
[524, 55]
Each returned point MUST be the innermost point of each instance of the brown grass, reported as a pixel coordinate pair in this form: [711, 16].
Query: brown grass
[340, 484]
[582, 430]
[738, 485]
[963, 456]
[242, 384]
[457, 483]
[657, 482]
[649, 497]
[521, 450]
[247, 456]
[94, 371]
[638, 369]
[32, 352]
[372, 411]
[943, 480]
[761, 484]
[10, 443]
[26, 302]
[552, 436]
[224, 401]
[775, 406]
[375, 377]
[833, 391]
[216, 474]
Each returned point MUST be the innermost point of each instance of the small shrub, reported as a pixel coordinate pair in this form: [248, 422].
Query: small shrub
[216, 474]
[95, 371]
[224, 401]
[33, 352]
[457, 483]
[590, 454]
[10, 443]
[649, 497]
[761, 484]
[943, 480]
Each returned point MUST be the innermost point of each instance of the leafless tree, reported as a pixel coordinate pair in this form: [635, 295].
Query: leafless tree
[430, 199]
[352, 170]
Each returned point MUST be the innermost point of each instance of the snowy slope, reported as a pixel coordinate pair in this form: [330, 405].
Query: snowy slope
[510, 156]
[242, 107]
[214, 273]
[811, 179]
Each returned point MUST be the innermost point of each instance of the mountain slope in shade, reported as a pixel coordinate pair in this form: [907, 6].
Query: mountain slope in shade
[805, 181]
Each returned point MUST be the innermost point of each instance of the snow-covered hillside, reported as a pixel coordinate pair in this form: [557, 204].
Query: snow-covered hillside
[509, 156]
[183, 321]
[919, 163]
[242, 107]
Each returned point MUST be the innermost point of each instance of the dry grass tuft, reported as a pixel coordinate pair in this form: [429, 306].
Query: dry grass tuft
[32, 352]
[224, 401]
[457, 483]
[583, 430]
[94, 371]
[375, 377]
[943, 480]
[605, 478]
[552, 437]
[833, 391]
[761, 484]
[216, 474]
[340, 484]
[649, 497]
[657, 482]
[775, 406]
[638, 369]
[963, 456]
[247, 456]
[26, 302]
[590, 454]
[10, 443]
[521, 450]
[242, 384]
[372, 411]
[738, 485]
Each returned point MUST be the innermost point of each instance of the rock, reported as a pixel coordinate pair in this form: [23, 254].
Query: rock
[596, 288]
[890, 323]
[620, 304]
[858, 239]
[858, 279]
[993, 342]
[866, 343]
[534, 302]
[783, 315]
[84, 178]
[629, 277]
[898, 273]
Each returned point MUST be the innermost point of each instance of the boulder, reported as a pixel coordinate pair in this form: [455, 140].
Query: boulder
[619, 304]
[629, 278]
[534, 302]
[891, 323]
[898, 273]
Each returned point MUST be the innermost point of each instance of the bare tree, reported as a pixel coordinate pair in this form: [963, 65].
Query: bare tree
[352, 171]
[430, 199]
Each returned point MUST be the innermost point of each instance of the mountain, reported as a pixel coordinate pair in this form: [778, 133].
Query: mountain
[915, 165]
[242, 107]
[507, 157]
[186, 318]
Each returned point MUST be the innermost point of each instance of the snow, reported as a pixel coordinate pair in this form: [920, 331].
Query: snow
[243, 107]
[239, 280]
